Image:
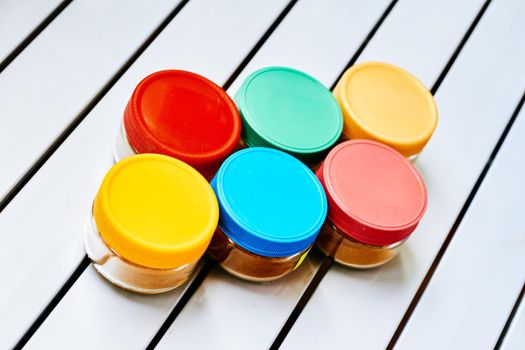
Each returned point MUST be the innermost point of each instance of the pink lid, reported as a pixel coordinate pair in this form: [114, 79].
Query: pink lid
[375, 195]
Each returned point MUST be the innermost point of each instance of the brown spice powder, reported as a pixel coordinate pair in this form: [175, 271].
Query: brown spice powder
[246, 265]
[350, 252]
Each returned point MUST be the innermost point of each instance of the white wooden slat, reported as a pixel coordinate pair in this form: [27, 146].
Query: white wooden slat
[210, 38]
[363, 308]
[237, 314]
[55, 77]
[474, 288]
[515, 338]
[18, 19]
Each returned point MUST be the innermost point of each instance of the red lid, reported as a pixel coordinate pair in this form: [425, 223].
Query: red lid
[183, 115]
[375, 195]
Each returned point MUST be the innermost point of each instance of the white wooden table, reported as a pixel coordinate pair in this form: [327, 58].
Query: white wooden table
[66, 72]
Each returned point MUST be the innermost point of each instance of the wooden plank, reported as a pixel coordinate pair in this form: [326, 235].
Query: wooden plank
[515, 339]
[56, 76]
[205, 37]
[473, 290]
[18, 19]
[239, 314]
[363, 308]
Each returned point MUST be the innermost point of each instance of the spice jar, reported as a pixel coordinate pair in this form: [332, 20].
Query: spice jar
[153, 218]
[271, 209]
[182, 115]
[288, 110]
[376, 199]
[385, 103]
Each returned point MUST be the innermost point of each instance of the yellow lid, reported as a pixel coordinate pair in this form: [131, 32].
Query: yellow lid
[385, 103]
[156, 211]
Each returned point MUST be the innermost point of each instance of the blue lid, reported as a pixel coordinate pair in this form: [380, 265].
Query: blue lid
[270, 203]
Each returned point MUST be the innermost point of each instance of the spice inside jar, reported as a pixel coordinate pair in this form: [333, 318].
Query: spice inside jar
[376, 199]
[182, 115]
[387, 104]
[152, 220]
[288, 110]
[271, 210]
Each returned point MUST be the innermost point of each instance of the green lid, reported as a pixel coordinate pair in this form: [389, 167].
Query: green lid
[289, 110]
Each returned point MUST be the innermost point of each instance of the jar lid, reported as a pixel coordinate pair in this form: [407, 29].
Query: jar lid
[375, 195]
[183, 115]
[385, 103]
[156, 211]
[289, 110]
[270, 203]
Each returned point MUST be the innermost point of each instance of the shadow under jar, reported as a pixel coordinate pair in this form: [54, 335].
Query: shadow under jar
[289, 110]
[182, 115]
[271, 210]
[153, 218]
[376, 199]
[385, 103]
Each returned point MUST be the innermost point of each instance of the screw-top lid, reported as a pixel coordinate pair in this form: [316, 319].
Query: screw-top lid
[385, 103]
[183, 115]
[156, 211]
[289, 110]
[270, 203]
[375, 195]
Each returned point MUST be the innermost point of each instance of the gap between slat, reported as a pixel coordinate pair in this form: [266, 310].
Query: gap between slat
[56, 299]
[506, 327]
[34, 33]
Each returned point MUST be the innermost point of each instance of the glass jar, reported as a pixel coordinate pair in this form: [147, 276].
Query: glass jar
[387, 104]
[271, 210]
[376, 199]
[288, 110]
[182, 115]
[152, 220]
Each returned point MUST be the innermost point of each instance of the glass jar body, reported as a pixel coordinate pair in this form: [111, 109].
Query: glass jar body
[127, 275]
[247, 265]
[349, 252]
[122, 147]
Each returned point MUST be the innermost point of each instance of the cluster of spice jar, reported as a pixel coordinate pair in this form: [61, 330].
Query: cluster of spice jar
[258, 180]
